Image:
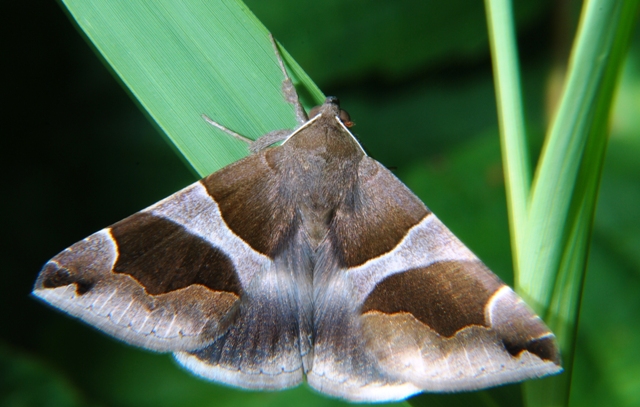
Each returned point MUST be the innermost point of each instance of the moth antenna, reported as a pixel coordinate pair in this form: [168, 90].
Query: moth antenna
[226, 130]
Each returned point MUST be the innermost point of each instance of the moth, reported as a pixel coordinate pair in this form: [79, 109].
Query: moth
[304, 259]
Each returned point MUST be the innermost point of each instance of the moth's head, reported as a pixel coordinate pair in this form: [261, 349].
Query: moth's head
[331, 108]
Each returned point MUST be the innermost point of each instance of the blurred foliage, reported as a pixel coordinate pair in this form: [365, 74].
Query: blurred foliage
[26, 382]
[416, 78]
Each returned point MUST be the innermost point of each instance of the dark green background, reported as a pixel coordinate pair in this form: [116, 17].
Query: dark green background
[78, 155]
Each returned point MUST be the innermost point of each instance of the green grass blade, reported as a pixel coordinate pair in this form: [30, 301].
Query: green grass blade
[585, 94]
[517, 170]
[564, 194]
[184, 59]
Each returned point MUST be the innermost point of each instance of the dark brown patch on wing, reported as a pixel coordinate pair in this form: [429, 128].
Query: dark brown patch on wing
[164, 257]
[445, 296]
[546, 348]
[253, 202]
[520, 329]
[55, 276]
[376, 218]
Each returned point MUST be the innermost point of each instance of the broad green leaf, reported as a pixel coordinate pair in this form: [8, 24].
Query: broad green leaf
[184, 59]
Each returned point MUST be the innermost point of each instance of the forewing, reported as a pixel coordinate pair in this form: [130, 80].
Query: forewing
[425, 314]
[182, 275]
[157, 279]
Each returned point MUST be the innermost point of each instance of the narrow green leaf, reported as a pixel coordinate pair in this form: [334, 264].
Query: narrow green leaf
[557, 174]
[184, 59]
[517, 170]
[551, 236]
[562, 206]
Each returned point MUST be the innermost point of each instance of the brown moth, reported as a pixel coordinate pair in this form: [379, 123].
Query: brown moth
[306, 259]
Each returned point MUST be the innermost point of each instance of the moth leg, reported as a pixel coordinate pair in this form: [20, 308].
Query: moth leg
[288, 89]
[227, 130]
[268, 139]
[254, 145]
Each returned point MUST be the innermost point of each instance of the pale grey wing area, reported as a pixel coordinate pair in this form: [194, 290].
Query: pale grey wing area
[424, 315]
[453, 326]
[268, 344]
[343, 366]
[371, 223]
